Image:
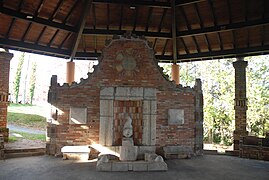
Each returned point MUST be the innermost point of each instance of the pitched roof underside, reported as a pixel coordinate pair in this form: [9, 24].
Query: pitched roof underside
[204, 29]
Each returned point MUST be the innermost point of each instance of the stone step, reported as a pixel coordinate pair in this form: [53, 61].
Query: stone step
[15, 153]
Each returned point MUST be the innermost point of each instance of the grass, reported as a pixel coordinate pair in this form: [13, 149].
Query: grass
[12, 139]
[28, 136]
[27, 120]
[27, 109]
[27, 115]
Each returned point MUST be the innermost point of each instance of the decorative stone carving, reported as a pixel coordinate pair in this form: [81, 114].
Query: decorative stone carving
[126, 62]
[128, 128]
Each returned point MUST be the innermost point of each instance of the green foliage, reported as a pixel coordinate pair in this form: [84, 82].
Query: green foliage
[12, 139]
[218, 89]
[17, 80]
[258, 95]
[30, 136]
[32, 82]
[27, 120]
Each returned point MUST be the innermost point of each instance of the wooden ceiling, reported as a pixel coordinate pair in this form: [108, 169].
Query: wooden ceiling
[179, 30]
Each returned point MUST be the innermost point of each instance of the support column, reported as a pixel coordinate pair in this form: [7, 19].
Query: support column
[175, 73]
[5, 58]
[240, 101]
[70, 72]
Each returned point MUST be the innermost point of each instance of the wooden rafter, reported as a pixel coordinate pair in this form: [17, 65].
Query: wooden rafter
[53, 37]
[41, 34]
[65, 39]
[56, 10]
[148, 19]
[70, 12]
[26, 31]
[121, 15]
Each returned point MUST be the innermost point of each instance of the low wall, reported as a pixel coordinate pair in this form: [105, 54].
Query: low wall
[254, 148]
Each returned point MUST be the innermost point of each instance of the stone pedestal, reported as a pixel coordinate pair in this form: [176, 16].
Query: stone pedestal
[128, 152]
[240, 101]
[5, 58]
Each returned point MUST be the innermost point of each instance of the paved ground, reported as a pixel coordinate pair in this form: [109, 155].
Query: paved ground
[206, 167]
[24, 129]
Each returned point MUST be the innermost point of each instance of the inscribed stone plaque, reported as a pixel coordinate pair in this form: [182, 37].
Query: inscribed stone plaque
[175, 116]
[78, 115]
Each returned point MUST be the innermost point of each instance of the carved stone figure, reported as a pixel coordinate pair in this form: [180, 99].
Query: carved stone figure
[128, 128]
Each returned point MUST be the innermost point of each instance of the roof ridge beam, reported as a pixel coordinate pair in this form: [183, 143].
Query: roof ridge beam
[136, 3]
[164, 35]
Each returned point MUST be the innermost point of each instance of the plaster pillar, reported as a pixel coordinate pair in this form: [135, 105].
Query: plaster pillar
[175, 73]
[70, 72]
[5, 58]
[240, 101]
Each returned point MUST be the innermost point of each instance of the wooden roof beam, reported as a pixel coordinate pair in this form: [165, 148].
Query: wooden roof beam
[222, 28]
[155, 4]
[162, 35]
[35, 19]
[86, 9]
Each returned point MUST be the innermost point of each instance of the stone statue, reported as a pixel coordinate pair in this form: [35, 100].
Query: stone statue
[128, 128]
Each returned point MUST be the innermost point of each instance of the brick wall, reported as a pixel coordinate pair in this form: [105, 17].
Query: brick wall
[4, 91]
[139, 70]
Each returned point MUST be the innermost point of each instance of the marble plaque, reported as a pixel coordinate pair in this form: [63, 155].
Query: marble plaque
[78, 115]
[175, 116]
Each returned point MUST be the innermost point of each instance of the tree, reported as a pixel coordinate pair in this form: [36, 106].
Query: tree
[258, 95]
[16, 83]
[32, 82]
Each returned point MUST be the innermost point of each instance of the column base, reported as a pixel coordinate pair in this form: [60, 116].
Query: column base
[5, 132]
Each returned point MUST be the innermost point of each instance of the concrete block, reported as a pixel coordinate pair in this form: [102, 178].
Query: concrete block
[107, 91]
[146, 107]
[153, 107]
[136, 92]
[153, 119]
[106, 131]
[157, 166]
[150, 93]
[128, 153]
[106, 108]
[104, 166]
[146, 130]
[140, 166]
[120, 166]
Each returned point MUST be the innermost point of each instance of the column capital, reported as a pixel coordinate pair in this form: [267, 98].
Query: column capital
[5, 56]
[240, 64]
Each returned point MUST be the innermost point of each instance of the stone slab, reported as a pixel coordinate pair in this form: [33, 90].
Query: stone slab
[120, 166]
[139, 166]
[175, 116]
[128, 153]
[123, 166]
[78, 115]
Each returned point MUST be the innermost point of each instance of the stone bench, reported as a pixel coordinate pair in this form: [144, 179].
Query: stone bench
[177, 152]
[76, 152]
